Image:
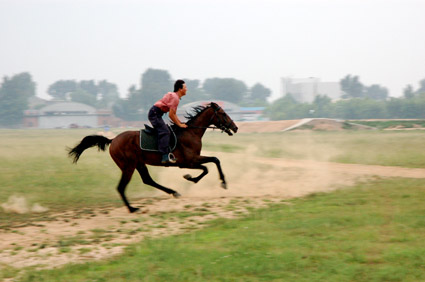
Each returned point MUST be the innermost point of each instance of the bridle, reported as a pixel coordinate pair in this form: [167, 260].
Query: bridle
[221, 125]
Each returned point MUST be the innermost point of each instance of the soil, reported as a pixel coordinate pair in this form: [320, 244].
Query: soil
[75, 237]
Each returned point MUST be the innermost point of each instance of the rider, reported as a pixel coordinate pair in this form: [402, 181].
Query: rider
[168, 103]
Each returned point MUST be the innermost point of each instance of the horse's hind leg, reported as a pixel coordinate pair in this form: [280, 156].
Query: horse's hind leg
[125, 179]
[147, 179]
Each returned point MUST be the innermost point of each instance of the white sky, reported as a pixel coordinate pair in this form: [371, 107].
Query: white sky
[382, 41]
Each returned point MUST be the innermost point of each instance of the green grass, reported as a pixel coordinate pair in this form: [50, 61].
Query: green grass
[373, 232]
[34, 163]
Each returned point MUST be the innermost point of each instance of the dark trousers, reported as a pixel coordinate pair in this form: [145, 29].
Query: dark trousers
[155, 117]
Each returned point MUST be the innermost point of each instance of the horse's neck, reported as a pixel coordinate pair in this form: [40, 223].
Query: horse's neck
[203, 121]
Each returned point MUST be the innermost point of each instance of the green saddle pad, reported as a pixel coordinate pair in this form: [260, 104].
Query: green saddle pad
[149, 140]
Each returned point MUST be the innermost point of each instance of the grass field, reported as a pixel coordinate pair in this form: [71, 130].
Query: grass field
[400, 148]
[34, 163]
[373, 232]
[368, 233]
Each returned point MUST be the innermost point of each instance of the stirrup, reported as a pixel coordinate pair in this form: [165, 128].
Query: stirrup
[172, 158]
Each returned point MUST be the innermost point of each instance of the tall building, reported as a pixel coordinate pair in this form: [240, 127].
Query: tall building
[304, 90]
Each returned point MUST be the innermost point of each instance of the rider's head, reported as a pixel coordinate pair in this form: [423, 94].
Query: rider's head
[180, 85]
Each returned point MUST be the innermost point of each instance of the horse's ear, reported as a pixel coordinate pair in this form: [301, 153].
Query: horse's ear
[214, 105]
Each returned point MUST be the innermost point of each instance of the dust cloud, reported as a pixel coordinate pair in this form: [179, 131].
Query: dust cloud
[20, 205]
[247, 174]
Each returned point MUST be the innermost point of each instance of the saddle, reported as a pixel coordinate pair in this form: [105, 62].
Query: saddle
[149, 139]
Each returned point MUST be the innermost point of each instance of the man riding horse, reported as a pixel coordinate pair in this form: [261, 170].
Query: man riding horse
[168, 103]
[126, 152]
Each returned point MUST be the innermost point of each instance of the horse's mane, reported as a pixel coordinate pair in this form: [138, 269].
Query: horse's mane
[192, 115]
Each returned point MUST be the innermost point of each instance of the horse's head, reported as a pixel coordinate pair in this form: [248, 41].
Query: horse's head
[222, 120]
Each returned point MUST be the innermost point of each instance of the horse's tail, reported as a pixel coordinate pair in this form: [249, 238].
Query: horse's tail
[89, 141]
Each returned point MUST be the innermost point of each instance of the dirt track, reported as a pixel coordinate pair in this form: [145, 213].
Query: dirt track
[253, 182]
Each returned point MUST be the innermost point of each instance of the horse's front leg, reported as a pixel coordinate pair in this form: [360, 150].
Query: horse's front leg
[202, 160]
[220, 171]
[196, 179]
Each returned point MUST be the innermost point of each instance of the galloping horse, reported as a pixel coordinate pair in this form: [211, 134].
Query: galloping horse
[126, 153]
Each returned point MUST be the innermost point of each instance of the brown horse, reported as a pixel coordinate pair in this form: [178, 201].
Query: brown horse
[125, 149]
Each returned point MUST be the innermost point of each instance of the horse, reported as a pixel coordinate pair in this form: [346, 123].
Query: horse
[126, 152]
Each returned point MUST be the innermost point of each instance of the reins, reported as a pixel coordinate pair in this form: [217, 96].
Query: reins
[203, 127]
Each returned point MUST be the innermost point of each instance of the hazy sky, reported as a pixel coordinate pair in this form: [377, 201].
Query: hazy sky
[382, 41]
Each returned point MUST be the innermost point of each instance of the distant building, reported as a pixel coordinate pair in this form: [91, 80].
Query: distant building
[35, 102]
[68, 115]
[304, 90]
[253, 114]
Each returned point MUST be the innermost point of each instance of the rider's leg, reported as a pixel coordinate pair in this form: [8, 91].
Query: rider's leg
[163, 143]
[155, 117]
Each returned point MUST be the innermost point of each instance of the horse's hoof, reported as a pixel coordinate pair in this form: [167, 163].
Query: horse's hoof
[132, 210]
[176, 195]
[223, 185]
[187, 176]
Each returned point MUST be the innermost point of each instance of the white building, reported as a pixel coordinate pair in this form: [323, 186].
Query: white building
[62, 115]
[304, 90]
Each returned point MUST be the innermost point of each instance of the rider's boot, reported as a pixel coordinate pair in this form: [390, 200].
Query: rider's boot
[168, 159]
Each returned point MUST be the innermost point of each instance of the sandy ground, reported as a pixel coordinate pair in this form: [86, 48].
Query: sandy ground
[253, 182]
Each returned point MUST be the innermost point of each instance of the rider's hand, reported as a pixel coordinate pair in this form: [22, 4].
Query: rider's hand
[183, 125]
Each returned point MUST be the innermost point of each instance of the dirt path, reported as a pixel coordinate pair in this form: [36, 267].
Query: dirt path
[253, 183]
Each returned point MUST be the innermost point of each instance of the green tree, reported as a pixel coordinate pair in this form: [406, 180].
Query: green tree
[61, 88]
[376, 92]
[108, 93]
[394, 107]
[282, 108]
[154, 84]
[14, 94]
[344, 109]
[257, 96]
[352, 87]
[228, 89]
[90, 87]
[120, 109]
[82, 96]
[413, 108]
[128, 109]
[421, 87]
[359, 108]
[194, 91]
[321, 106]
[408, 92]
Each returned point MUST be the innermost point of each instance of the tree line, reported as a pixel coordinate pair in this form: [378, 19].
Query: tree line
[358, 101]
[14, 95]
[155, 83]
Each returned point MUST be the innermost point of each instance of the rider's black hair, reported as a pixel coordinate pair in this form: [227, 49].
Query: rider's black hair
[178, 85]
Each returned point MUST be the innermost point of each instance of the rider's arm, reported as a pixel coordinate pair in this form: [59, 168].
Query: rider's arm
[175, 119]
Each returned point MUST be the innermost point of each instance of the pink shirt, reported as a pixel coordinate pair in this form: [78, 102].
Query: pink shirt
[170, 101]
